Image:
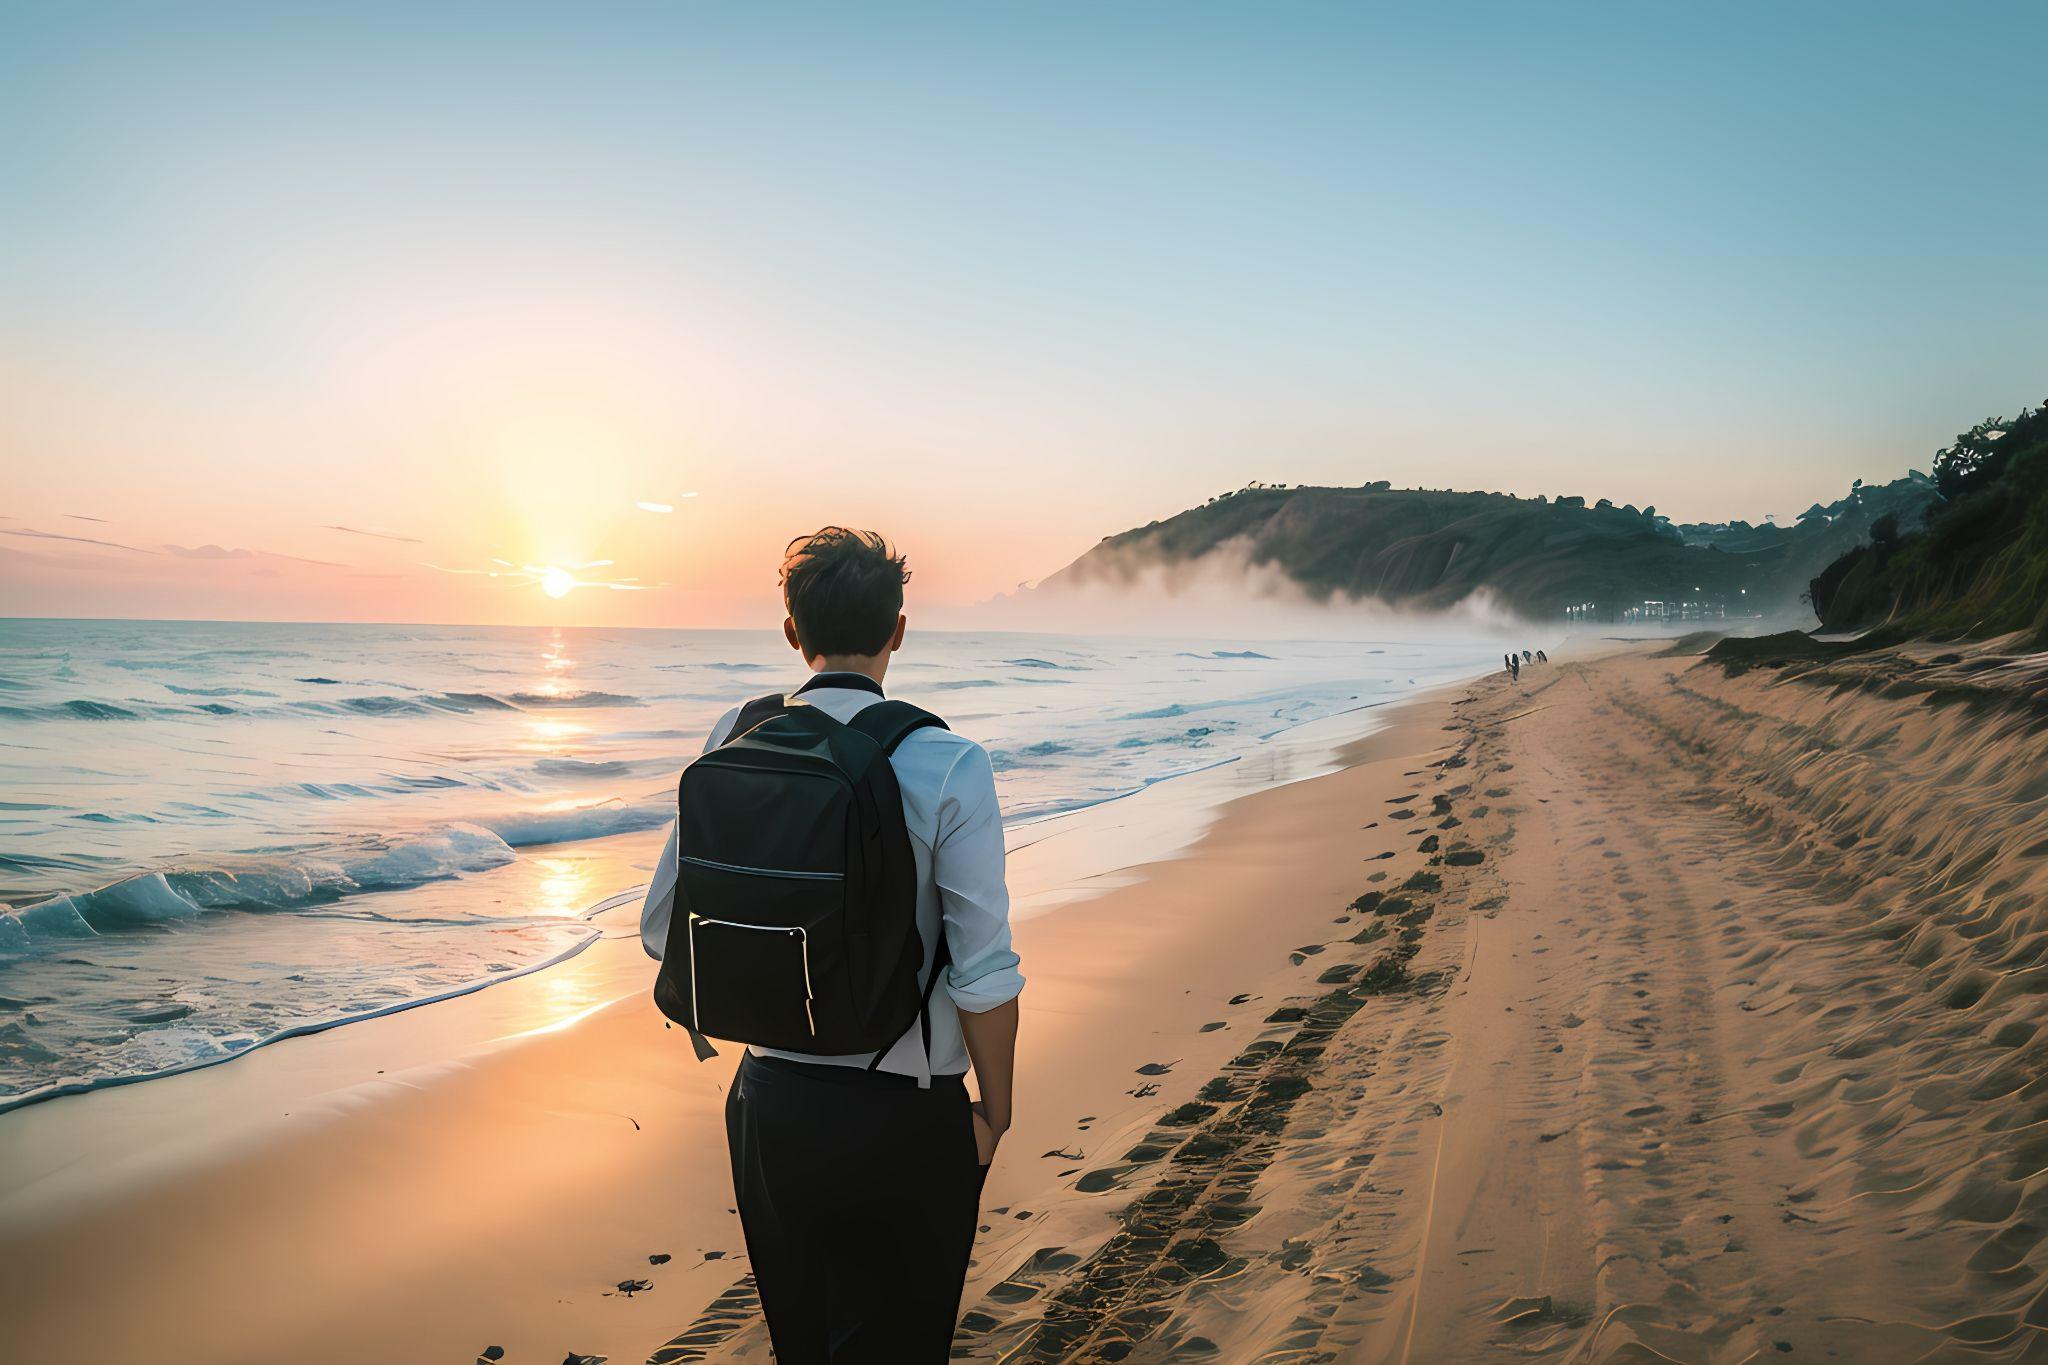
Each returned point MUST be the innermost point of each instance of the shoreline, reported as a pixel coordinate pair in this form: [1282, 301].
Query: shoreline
[323, 1110]
[243, 1021]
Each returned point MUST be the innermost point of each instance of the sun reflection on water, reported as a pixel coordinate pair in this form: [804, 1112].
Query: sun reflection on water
[563, 889]
[548, 734]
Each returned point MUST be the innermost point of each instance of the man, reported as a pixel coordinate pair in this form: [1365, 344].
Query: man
[859, 1188]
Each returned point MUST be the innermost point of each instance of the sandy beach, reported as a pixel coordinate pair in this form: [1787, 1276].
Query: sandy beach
[1633, 1011]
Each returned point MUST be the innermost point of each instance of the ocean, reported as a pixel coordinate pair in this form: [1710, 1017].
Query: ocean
[217, 835]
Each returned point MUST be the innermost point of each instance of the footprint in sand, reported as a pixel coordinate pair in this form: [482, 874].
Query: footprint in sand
[1106, 1178]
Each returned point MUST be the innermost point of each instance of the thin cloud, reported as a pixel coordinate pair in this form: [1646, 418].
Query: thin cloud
[487, 573]
[207, 552]
[663, 507]
[239, 552]
[375, 535]
[77, 540]
[80, 516]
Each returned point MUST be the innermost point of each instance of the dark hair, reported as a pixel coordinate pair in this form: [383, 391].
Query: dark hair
[843, 589]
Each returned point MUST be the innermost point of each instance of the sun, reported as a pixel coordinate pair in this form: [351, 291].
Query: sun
[556, 582]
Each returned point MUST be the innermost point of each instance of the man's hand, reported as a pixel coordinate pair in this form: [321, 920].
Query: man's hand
[992, 1046]
[986, 1134]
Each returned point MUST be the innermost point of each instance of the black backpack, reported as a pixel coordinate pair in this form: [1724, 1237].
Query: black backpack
[795, 918]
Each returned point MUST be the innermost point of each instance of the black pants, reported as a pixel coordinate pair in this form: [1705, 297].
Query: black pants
[858, 1193]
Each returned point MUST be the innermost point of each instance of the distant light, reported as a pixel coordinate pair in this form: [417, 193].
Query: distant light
[655, 506]
[557, 582]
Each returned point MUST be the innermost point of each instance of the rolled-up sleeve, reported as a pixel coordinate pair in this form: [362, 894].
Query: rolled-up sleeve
[967, 865]
[659, 907]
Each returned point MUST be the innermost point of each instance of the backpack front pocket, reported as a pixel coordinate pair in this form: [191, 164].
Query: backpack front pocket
[752, 983]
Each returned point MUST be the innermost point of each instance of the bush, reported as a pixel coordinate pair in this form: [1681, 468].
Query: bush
[1979, 566]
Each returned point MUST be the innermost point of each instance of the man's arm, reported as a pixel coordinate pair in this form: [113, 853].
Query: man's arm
[659, 907]
[992, 1045]
[982, 978]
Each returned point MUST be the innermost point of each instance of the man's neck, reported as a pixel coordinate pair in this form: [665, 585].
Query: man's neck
[867, 665]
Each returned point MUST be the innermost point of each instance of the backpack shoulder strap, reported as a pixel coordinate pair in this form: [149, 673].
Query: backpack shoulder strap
[754, 712]
[889, 723]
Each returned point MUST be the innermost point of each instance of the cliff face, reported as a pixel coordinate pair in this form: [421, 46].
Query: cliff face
[1430, 550]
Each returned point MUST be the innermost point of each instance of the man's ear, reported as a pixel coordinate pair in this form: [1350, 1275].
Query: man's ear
[789, 633]
[896, 640]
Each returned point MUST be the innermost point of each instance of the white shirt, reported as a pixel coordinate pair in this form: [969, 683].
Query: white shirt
[956, 837]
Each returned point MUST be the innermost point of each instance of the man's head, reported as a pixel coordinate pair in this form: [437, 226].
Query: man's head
[844, 593]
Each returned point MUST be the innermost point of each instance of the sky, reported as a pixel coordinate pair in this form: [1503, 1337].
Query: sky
[329, 314]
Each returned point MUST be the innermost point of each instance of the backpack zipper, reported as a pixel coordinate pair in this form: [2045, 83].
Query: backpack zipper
[762, 872]
[803, 943]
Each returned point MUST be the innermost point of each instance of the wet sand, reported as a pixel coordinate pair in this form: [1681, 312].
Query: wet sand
[488, 1171]
[1632, 1012]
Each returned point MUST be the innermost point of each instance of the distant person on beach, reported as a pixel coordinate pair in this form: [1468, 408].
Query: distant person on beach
[858, 1160]
[1514, 668]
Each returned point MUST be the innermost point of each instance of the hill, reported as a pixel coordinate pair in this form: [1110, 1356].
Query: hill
[1431, 549]
[1977, 567]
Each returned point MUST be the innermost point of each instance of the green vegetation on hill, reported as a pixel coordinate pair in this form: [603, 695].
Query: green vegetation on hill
[1978, 567]
[1431, 549]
